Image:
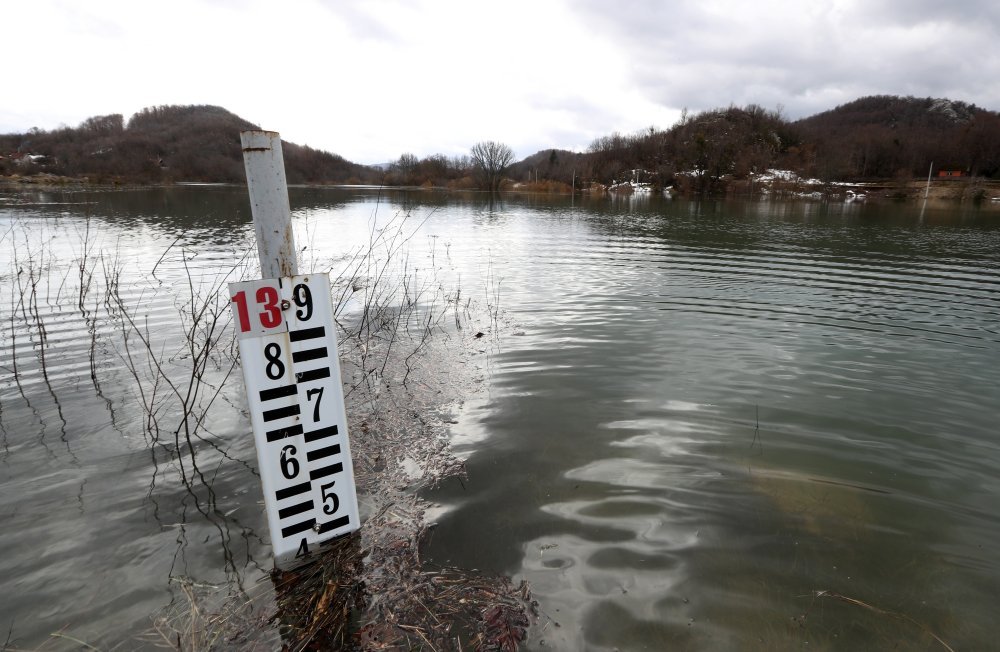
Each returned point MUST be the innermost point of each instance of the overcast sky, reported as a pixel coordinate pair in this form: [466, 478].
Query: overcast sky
[372, 80]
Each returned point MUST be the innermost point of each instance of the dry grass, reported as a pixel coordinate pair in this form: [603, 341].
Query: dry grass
[369, 590]
[882, 612]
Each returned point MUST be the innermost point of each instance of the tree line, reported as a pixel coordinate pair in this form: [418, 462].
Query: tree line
[885, 136]
[877, 137]
[881, 137]
[163, 144]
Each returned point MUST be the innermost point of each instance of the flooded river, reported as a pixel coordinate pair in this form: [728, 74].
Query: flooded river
[715, 425]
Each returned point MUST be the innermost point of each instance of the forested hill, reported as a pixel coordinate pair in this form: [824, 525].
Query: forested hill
[163, 144]
[885, 136]
[875, 138]
[879, 137]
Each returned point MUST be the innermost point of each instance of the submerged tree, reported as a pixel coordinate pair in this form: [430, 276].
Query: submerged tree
[491, 159]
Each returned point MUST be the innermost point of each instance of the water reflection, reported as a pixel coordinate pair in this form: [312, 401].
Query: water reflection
[90, 473]
[720, 408]
[699, 414]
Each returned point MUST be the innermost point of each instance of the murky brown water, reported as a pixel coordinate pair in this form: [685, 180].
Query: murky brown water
[698, 414]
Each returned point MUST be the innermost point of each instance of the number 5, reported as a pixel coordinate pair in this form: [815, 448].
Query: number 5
[327, 509]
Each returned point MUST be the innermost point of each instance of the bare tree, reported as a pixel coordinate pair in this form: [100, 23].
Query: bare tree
[491, 159]
[406, 168]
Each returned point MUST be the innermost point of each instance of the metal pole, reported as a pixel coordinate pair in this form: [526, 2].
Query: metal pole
[272, 217]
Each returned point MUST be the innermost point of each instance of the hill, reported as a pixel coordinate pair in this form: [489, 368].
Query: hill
[885, 136]
[163, 144]
[878, 137]
[548, 164]
[696, 153]
[882, 137]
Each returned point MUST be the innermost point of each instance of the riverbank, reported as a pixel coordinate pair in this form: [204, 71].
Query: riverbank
[780, 184]
[960, 190]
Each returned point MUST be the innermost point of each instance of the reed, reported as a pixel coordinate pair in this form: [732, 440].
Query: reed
[391, 312]
[831, 595]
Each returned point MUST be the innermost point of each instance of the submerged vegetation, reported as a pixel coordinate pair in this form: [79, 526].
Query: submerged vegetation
[368, 590]
[759, 572]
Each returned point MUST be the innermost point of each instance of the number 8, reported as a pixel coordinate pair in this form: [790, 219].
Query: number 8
[275, 367]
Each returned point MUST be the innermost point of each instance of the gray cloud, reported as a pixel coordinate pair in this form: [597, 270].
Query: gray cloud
[372, 80]
[914, 12]
[807, 57]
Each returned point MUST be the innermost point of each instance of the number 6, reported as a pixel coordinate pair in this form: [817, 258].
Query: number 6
[289, 465]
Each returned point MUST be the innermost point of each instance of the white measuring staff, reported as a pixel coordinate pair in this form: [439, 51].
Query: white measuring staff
[288, 348]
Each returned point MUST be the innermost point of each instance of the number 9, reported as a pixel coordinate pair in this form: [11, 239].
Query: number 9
[302, 297]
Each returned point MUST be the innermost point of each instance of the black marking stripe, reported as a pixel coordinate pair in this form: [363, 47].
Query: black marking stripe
[313, 374]
[325, 471]
[298, 527]
[277, 392]
[281, 433]
[334, 524]
[320, 453]
[309, 354]
[306, 334]
[281, 413]
[294, 490]
[292, 510]
[322, 433]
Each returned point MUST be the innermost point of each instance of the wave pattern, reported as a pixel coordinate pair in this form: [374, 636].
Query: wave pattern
[708, 417]
[699, 414]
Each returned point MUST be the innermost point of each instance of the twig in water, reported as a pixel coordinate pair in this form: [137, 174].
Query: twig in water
[163, 255]
[756, 435]
[884, 612]
[75, 640]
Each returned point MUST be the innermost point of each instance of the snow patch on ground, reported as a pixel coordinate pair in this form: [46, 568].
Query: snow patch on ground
[785, 175]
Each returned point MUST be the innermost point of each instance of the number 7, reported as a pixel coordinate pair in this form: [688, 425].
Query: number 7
[319, 397]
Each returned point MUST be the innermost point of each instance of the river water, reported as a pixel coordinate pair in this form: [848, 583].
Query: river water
[706, 425]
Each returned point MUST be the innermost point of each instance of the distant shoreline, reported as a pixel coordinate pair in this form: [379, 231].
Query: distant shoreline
[968, 189]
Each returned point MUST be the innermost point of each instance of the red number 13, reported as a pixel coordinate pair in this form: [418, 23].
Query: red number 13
[267, 297]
